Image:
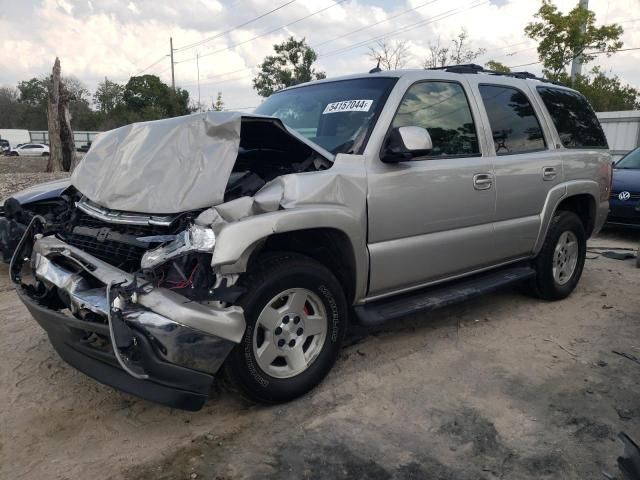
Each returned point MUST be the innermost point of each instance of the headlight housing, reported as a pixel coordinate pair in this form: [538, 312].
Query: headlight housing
[196, 238]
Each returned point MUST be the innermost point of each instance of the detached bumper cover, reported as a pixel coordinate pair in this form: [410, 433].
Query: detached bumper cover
[135, 347]
[168, 384]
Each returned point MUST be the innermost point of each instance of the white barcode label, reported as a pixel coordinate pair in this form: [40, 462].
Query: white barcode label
[348, 106]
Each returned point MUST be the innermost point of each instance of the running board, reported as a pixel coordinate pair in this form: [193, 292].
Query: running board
[380, 311]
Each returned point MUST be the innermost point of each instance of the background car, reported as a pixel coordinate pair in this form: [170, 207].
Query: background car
[624, 204]
[5, 147]
[31, 150]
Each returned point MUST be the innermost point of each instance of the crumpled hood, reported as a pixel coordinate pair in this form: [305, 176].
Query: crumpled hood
[168, 166]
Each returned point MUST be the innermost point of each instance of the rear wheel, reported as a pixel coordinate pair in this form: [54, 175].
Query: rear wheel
[296, 316]
[561, 260]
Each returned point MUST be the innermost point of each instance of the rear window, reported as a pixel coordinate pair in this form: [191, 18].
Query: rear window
[574, 118]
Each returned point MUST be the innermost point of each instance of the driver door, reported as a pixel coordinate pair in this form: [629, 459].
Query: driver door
[432, 217]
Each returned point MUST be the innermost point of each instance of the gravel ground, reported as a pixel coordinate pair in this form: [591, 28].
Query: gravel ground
[502, 387]
[17, 173]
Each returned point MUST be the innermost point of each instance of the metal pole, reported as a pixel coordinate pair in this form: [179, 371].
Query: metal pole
[576, 64]
[173, 76]
[198, 67]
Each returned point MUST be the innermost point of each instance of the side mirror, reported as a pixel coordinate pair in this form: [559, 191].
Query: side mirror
[405, 143]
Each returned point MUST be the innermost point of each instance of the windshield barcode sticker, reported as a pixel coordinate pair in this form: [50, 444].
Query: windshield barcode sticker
[348, 106]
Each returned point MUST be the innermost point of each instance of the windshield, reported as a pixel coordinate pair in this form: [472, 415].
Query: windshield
[338, 116]
[631, 160]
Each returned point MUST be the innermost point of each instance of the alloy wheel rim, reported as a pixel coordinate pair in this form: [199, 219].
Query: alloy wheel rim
[290, 333]
[565, 257]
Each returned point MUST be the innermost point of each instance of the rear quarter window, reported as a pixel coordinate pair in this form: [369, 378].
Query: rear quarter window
[573, 118]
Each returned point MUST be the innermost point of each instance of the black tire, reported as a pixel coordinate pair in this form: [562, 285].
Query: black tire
[273, 274]
[45, 154]
[545, 286]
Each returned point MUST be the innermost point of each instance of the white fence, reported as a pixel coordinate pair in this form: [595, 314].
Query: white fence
[622, 130]
[81, 138]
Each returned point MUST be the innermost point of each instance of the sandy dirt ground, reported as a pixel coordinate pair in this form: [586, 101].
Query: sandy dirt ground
[17, 173]
[502, 387]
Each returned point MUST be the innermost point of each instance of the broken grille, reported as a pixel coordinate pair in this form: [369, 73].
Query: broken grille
[113, 243]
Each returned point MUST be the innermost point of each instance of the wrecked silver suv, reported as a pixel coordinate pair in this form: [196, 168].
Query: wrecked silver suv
[222, 241]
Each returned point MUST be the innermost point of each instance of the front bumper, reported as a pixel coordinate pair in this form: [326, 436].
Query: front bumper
[624, 213]
[168, 384]
[160, 346]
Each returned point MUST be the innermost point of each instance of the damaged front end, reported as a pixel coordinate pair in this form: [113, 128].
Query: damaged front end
[159, 334]
[121, 274]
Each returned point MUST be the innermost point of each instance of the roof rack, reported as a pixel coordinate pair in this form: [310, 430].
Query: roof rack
[473, 68]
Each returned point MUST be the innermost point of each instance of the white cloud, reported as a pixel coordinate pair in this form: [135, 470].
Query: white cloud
[118, 38]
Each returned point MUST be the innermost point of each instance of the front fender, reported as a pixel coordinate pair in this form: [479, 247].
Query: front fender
[42, 191]
[236, 241]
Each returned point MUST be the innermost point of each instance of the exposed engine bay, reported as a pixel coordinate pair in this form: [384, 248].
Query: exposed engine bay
[123, 239]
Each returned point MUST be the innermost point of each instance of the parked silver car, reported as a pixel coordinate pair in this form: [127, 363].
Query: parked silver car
[247, 243]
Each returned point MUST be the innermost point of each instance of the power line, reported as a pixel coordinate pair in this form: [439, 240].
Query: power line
[374, 24]
[523, 65]
[405, 29]
[588, 53]
[150, 66]
[338, 2]
[314, 46]
[201, 42]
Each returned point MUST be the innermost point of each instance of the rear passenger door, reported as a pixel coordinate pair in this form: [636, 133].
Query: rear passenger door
[525, 168]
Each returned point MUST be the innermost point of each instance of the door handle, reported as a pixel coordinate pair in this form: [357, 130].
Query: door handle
[482, 181]
[549, 173]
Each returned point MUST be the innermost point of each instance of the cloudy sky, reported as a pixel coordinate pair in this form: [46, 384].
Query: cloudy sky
[120, 38]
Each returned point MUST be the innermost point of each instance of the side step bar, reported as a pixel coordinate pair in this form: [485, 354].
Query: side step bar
[380, 311]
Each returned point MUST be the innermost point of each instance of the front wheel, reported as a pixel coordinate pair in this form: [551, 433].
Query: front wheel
[561, 260]
[296, 316]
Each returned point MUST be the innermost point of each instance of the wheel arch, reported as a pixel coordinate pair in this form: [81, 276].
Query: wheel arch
[584, 206]
[579, 197]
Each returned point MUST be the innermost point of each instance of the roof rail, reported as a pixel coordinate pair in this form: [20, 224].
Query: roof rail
[473, 68]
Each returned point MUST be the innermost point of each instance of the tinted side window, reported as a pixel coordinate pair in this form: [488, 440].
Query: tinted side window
[574, 118]
[514, 126]
[443, 109]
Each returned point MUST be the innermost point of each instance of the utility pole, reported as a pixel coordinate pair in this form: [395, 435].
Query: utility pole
[198, 67]
[576, 64]
[173, 76]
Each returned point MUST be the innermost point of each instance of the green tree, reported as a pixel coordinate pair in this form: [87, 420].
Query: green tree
[10, 109]
[218, 105]
[562, 38]
[605, 94]
[292, 64]
[148, 98]
[108, 96]
[497, 66]
[33, 91]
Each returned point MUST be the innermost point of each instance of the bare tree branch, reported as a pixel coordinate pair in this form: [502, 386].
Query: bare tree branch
[392, 56]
